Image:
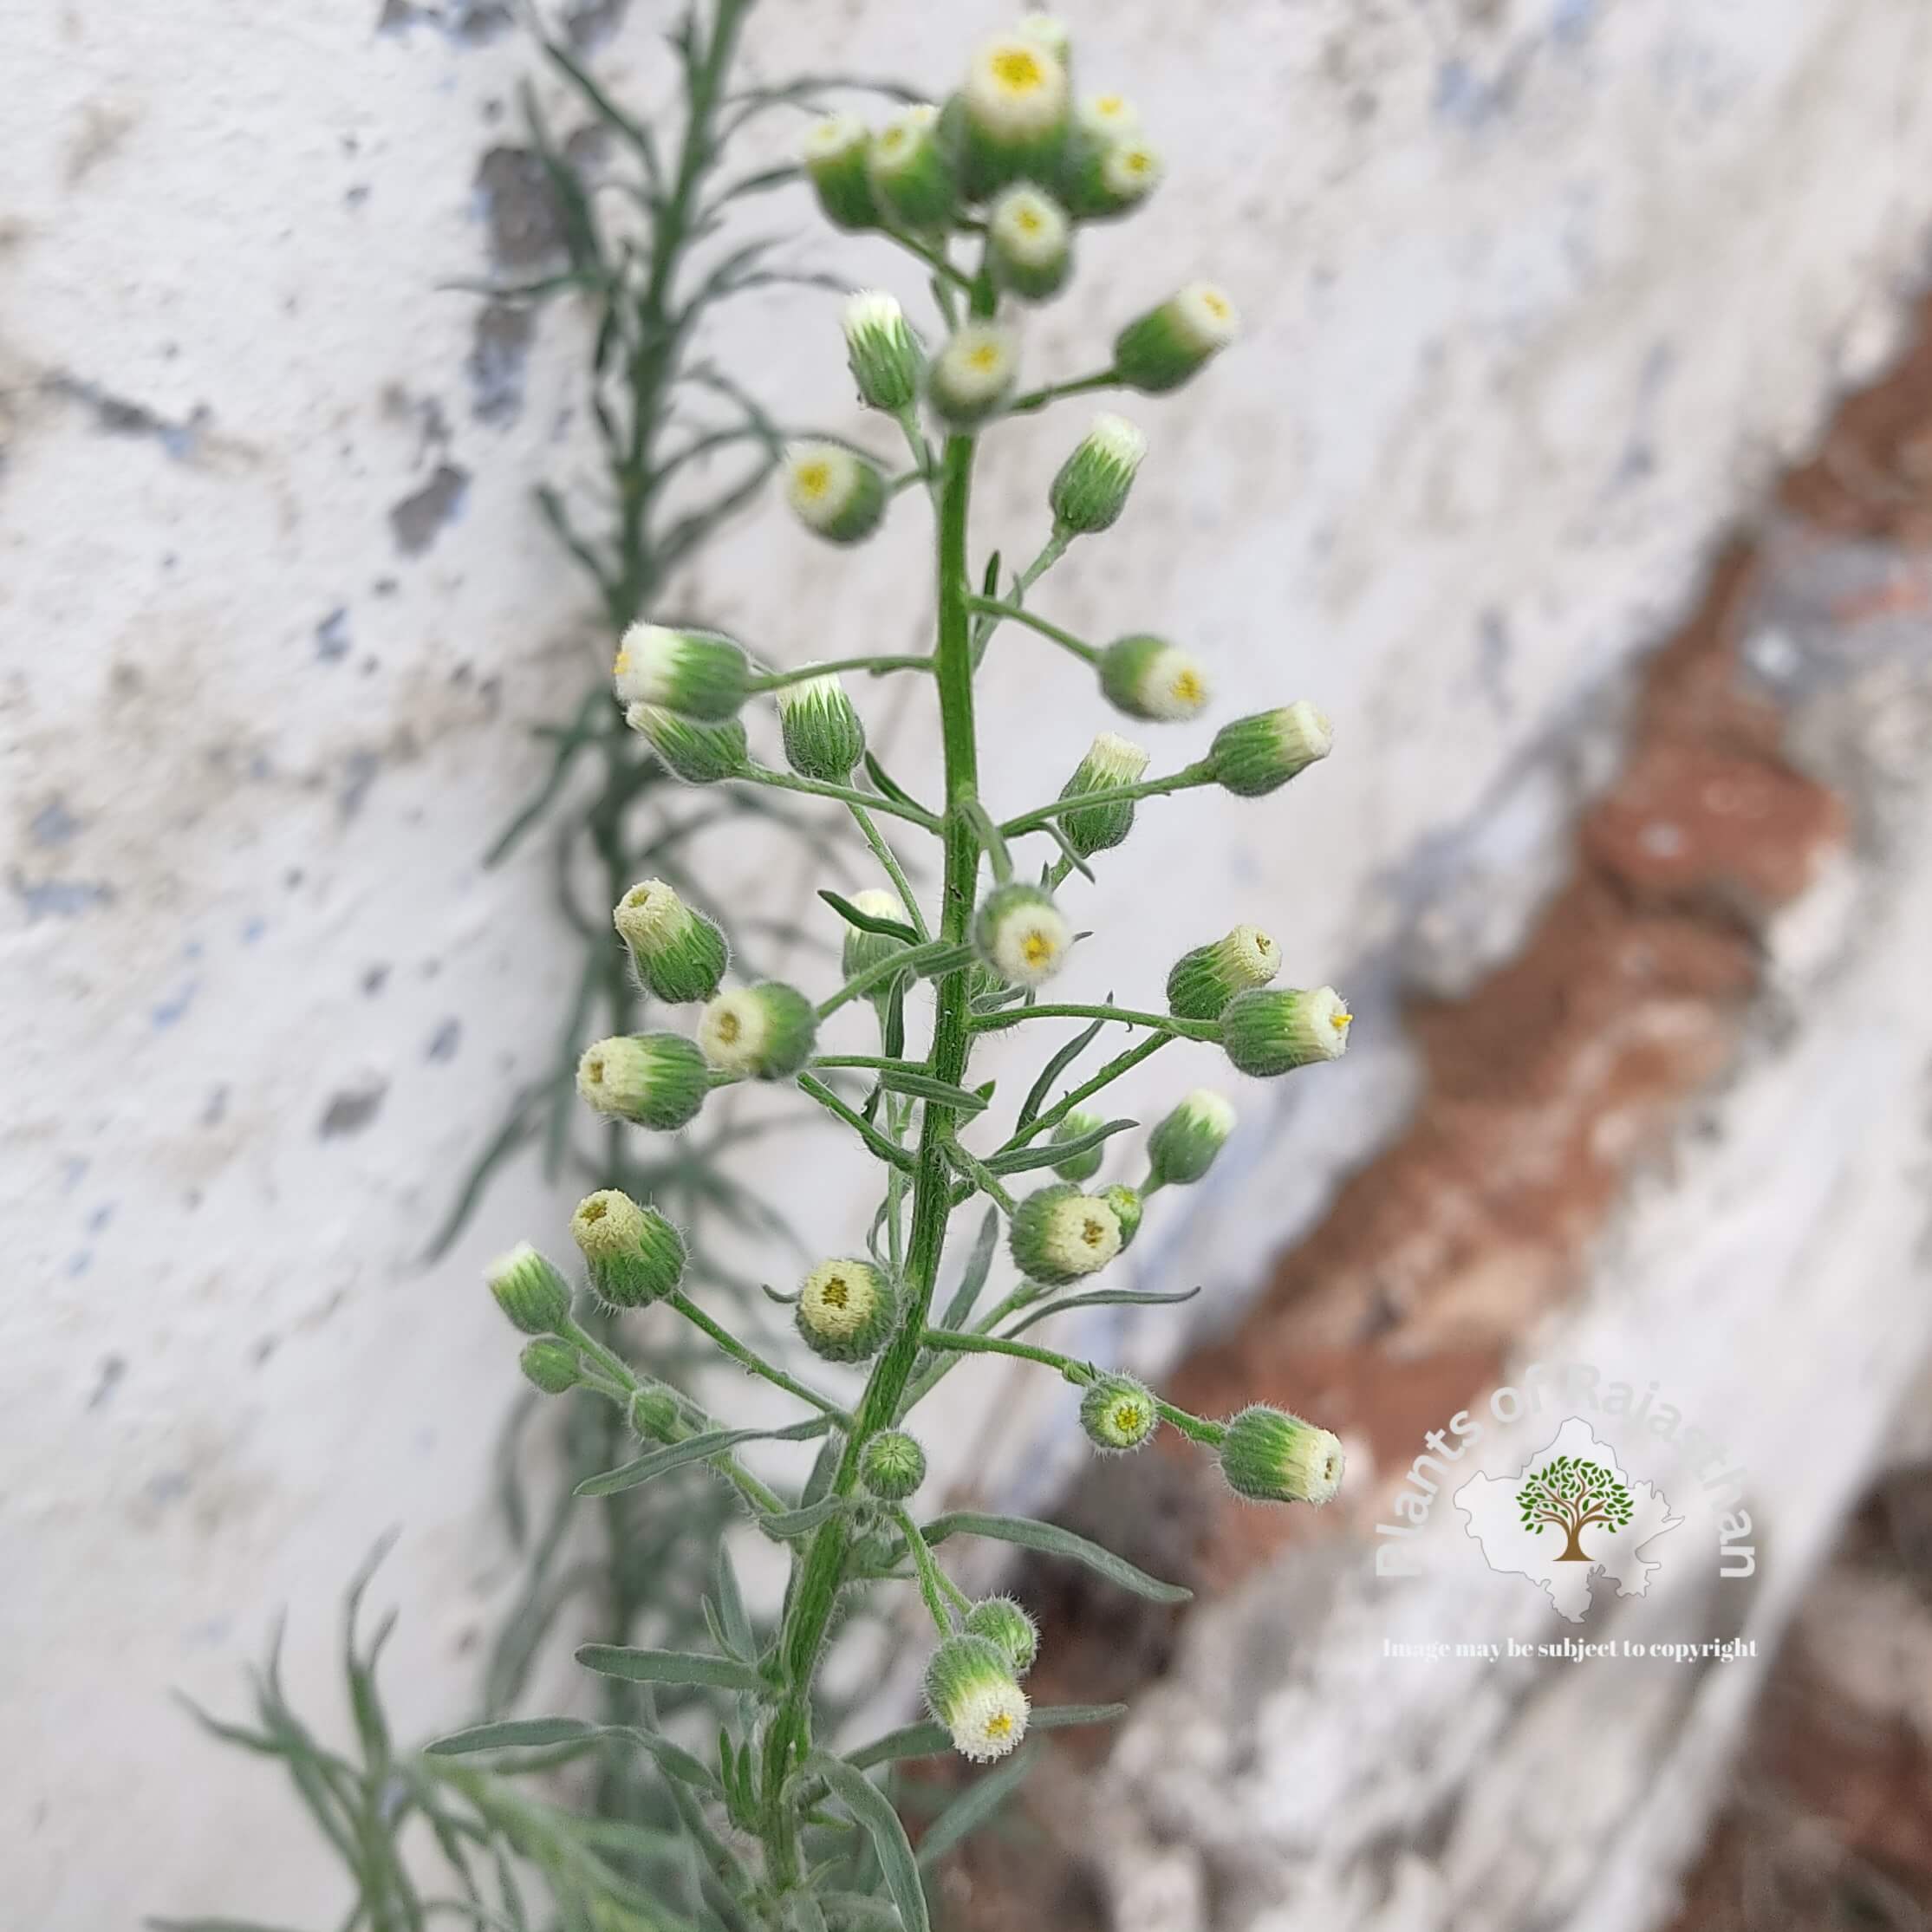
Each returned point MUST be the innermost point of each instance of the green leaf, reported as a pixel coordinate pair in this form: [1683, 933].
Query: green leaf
[1052, 1541]
[944, 961]
[1049, 1153]
[869, 923]
[668, 1666]
[979, 1265]
[1035, 1098]
[931, 1740]
[867, 1804]
[923, 1086]
[696, 1448]
[973, 1807]
[512, 1734]
[1101, 1297]
[730, 1605]
[787, 1523]
[211, 1925]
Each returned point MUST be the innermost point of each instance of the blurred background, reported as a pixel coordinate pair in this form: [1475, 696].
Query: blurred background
[1576, 457]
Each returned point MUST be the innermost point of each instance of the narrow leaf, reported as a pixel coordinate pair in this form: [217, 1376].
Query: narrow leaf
[1052, 1541]
[668, 1666]
[1101, 1297]
[1050, 1152]
[973, 1807]
[696, 1448]
[787, 1523]
[923, 1086]
[867, 1804]
[979, 1265]
[512, 1734]
[1054, 1068]
[868, 922]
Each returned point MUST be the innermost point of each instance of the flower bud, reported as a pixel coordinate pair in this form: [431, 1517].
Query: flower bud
[892, 1466]
[1182, 1147]
[1029, 241]
[1091, 490]
[970, 1690]
[699, 753]
[529, 1291]
[1013, 112]
[834, 157]
[1047, 31]
[633, 1255]
[846, 1310]
[1008, 1627]
[1022, 934]
[1107, 177]
[835, 492]
[765, 1032]
[653, 1415]
[551, 1365]
[1148, 678]
[1060, 1234]
[1159, 350]
[1270, 1456]
[679, 954]
[865, 950]
[1127, 1206]
[652, 1079]
[1268, 1032]
[823, 736]
[972, 377]
[911, 172]
[1106, 117]
[1118, 1415]
[696, 673]
[1254, 756]
[1201, 983]
[1079, 1167]
[882, 350]
[1110, 763]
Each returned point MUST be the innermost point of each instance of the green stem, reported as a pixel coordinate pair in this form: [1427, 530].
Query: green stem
[895, 871]
[932, 1579]
[1055, 548]
[816, 788]
[1121, 1063]
[894, 1157]
[777, 680]
[992, 606]
[748, 1358]
[1166, 1023]
[910, 961]
[987, 1183]
[1201, 773]
[1081, 386]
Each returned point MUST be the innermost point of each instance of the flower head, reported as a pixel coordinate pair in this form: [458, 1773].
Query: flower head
[1254, 756]
[884, 354]
[1201, 983]
[1060, 1234]
[970, 1690]
[679, 955]
[823, 736]
[1109, 764]
[1047, 31]
[846, 1310]
[834, 153]
[532, 1292]
[892, 1466]
[1270, 1456]
[864, 950]
[1182, 1147]
[1005, 1623]
[1031, 242]
[763, 1033]
[1147, 677]
[699, 753]
[1107, 117]
[1267, 1032]
[695, 672]
[634, 1257]
[972, 377]
[653, 1079]
[1161, 350]
[834, 492]
[1022, 934]
[1013, 112]
[1091, 490]
[551, 1365]
[1119, 1413]
[910, 171]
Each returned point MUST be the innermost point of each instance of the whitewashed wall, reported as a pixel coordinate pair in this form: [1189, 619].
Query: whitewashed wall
[1535, 294]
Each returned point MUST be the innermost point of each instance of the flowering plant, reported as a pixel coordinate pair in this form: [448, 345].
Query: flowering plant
[1002, 175]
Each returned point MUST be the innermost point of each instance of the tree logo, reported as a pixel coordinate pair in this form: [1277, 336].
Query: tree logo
[1602, 1521]
[1569, 1494]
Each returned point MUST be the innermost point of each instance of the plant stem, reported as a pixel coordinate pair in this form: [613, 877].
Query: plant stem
[992, 606]
[1085, 385]
[787, 780]
[748, 1358]
[932, 1579]
[986, 1183]
[1166, 1023]
[1051, 551]
[895, 871]
[894, 1157]
[1121, 1063]
[775, 681]
[1201, 773]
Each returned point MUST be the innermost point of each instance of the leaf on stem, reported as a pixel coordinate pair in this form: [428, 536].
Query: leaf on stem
[1052, 1540]
[869, 923]
[1050, 1153]
[979, 1266]
[669, 1666]
[868, 1805]
[1100, 1298]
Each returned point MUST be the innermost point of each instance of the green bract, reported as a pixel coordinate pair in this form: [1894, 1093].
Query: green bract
[1201, 983]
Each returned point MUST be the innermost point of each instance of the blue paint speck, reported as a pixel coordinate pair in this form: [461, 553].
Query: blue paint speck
[1571, 20]
[254, 930]
[99, 1218]
[80, 1261]
[332, 639]
[73, 1172]
[59, 898]
[170, 1011]
[53, 825]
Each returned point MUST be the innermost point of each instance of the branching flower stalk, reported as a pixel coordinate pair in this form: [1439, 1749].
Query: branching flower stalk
[989, 190]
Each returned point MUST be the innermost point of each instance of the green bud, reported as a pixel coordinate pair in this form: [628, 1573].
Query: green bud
[823, 736]
[1147, 677]
[1060, 1234]
[1029, 241]
[679, 955]
[551, 1365]
[834, 156]
[1129, 1206]
[835, 493]
[529, 1291]
[1182, 1147]
[1079, 1167]
[970, 1688]
[653, 1415]
[695, 674]
[972, 376]
[1022, 934]
[1119, 1415]
[1110, 763]
[700, 754]
[1006, 1625]
[633, 1255]
[1201, 983]
[1091, 490]
[1159, 350]
[847, 1310]
[865, 950]
[652, 1079]
[1268, 1032]
[912, 174]
[764, 1031]
[884, 354]
[1103, 176]
[1254, 756]
[1270, 1456]
[1013, 114]
[892, 1466]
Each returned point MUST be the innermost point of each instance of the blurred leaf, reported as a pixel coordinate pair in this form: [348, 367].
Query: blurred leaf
[1051, 1540]
[867, 1804]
